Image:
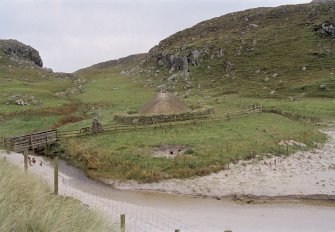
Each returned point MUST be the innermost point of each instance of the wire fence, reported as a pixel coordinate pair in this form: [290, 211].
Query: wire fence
[95, 195]
[101, 197]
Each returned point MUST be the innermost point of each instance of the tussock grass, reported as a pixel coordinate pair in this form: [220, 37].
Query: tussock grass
[27, 204]
[267, 69]
[129, 156]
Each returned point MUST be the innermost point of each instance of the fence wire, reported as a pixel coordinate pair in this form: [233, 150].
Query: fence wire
[100, 197]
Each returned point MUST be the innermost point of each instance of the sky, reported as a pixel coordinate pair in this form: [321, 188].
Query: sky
[73, 34]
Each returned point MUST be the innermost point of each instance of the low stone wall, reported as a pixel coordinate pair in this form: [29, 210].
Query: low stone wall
[138, 119]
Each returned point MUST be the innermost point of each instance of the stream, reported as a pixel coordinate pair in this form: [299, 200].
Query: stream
[156, 211]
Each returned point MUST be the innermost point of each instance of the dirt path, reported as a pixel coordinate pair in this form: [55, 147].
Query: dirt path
[303, 173]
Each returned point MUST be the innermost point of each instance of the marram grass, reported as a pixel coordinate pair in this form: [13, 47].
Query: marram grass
[27, 204]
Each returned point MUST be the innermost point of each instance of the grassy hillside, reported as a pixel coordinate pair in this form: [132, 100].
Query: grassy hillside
[265, 56]
[262, 52]
[46, 94]
[27, 204]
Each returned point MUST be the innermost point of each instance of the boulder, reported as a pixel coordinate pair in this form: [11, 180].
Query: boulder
[20, 52]
[21, 102]
[323, 87]
[326, 29]
[193, 57]
[22, 99]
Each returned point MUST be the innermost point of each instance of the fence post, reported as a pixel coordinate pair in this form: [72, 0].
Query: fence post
[25, 155]
[56, 174]
[287, 148]
[123, 223]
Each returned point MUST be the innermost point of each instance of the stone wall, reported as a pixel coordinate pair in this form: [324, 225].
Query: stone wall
[137, 119]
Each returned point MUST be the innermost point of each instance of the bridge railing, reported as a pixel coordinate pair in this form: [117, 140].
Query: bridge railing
[30, 141]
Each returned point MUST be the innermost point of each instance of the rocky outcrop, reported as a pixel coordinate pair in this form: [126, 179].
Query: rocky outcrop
[326, 29]
[19, 52]
[322, 1]
[177, 62]
[21, 99]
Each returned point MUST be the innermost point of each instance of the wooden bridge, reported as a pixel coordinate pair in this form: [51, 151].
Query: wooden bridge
[41, 140]
[37, 140]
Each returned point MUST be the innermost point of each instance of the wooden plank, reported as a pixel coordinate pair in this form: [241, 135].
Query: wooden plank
[30, 141]
[56, 174]
[21, 147]
[25, 154]
[22, 142]
[23, 138]
[43, 136]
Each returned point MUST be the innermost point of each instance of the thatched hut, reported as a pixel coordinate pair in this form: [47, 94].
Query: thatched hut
[164, 103]
[164, 107]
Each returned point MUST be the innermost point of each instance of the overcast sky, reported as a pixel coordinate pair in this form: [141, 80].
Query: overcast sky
[72, 34]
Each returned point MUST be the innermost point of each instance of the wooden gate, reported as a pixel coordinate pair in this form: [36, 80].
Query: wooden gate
[37, 140]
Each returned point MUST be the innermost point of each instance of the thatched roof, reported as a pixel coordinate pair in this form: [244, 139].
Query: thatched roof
[164, 103]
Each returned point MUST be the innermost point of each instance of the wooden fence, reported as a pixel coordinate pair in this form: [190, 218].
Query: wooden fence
[43, 139]
[119, 128]
[31, 141]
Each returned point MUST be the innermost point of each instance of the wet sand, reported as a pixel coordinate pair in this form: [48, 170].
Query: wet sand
[155, 211]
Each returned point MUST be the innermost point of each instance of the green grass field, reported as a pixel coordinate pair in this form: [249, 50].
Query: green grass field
[27, 204]
[280, 63]
[128, 155]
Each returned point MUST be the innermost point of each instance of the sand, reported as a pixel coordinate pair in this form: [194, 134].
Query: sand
[160, 212]
[303, 173]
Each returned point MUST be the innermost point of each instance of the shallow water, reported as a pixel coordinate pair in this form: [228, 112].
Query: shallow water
[216, 214]
[155, 211]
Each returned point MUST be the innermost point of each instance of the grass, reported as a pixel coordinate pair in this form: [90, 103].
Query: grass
[16, 123]
[34, 83]
[283, 49]
[27, 204]
[283, 42]
[128, 156]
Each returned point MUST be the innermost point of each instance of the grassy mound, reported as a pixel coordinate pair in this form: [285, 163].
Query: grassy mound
[26, 204]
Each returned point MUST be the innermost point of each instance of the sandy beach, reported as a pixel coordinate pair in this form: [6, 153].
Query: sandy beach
[303, 173]
[163, 212]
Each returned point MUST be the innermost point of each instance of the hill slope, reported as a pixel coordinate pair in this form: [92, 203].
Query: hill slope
[265, 52]
[25, 81]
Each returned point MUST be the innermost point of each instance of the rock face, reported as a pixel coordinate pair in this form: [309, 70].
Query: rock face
[326, 29]
[21, 52]
[322, 1]
[238, 49]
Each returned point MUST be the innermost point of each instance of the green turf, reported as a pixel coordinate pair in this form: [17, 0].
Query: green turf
[130, 155]
[267, 70]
